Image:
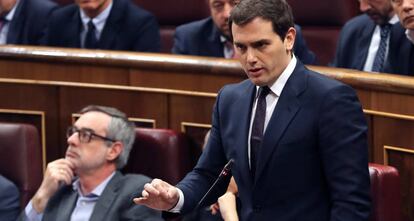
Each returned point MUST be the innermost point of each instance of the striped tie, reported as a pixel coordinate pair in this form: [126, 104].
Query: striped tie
[382, 49]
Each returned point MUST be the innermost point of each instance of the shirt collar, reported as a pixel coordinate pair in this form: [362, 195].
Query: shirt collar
[280, 82]
[95, 192]
[394, 19]
[410, 35]
[10, 15]
[98, 21]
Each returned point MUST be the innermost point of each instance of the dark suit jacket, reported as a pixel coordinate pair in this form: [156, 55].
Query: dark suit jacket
[9, 200]
[313, 161]
[202, 38]
[28, 25]
[128, 28]
[115, 203]
[354, 42]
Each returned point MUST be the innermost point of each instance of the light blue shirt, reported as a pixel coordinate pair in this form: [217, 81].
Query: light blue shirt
[99, 22]
[5, 30]
[84, 204]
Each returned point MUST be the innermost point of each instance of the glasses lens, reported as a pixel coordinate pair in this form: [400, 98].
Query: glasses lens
[70, 131]
[85, 136]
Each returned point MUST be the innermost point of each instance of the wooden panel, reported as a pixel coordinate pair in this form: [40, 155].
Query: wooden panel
[197, 132]
[193, 109]
[59, 71]
[191, 81]
[37, 98]
[403, 160]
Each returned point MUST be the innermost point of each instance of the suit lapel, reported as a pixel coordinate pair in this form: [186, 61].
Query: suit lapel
[244, 106]
[364, 43]
[400, 51]
[112, 25]
[67, 204]
[102, 207]
[16, 24]
[287, 107]
[72, 31]
[215, 46]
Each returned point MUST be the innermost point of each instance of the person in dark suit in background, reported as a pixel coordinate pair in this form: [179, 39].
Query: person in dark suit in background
[298, 139]
[9, 200]
[211, 36]
[367, 41]
[403, 58]
[87, 184]
[104, 24]
[24, 22]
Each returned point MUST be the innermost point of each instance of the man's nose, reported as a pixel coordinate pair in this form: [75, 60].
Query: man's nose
[227, 9]
[364, 5]
[251, 56]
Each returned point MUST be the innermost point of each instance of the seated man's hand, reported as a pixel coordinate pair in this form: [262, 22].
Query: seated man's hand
[158, 195]
[58, 172]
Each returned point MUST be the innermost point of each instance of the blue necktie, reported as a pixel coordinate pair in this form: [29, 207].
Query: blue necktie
[382, 49]
[257, 128]
[90, 41]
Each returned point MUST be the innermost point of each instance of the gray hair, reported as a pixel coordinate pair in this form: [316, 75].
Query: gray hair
[119, 128]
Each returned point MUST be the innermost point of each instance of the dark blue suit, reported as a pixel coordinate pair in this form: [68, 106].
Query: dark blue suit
[203, 38]
[128, 28]
[313, 162]
[9, 200]
[354, 42]
[28, 25]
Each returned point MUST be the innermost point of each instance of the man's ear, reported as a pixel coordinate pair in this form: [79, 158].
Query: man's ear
[290, 39]
[114, 151]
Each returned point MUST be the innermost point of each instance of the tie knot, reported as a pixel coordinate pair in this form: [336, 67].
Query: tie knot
[264, 91]
[91, 26]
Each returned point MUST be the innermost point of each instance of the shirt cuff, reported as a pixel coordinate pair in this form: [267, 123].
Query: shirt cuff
[31, 213]
[177, 208]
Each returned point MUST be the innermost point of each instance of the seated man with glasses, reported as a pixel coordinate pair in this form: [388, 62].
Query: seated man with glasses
[87, 184]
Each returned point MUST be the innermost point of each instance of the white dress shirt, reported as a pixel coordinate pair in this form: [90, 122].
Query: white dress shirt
[6, 26]
[374, 45]
[99, 22]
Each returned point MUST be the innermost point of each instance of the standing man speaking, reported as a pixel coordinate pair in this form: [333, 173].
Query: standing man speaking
[298, 138]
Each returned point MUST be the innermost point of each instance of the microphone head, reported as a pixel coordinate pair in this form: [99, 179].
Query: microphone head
[227, 168]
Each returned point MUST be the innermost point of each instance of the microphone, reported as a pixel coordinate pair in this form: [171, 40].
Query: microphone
[225, 172]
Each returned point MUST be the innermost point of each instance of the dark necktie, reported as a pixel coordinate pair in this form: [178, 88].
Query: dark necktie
[257, 128]
[382, 49]
[90, 41]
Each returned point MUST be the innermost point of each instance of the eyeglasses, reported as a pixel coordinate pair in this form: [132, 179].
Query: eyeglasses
[85, 134]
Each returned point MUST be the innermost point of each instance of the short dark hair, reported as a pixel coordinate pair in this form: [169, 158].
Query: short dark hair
[276, 11]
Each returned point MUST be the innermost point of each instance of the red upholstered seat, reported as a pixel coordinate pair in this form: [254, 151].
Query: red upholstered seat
[162, 153]
[21, 158]
[385, 193]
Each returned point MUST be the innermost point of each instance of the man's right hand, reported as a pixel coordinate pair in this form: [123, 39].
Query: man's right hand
[158, 195]
[57, 172]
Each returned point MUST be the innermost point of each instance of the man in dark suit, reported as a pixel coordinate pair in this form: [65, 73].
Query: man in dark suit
[24, 21]
[298, 139]
[360, 39]
[211, 36]
[9, 200]
[403, 58]
[104, 24]
[86, 184]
